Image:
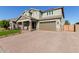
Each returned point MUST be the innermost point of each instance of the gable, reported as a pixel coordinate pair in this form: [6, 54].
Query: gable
[53, 13]
[22, 18]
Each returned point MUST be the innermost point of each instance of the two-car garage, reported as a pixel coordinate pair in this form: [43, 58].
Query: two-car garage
[48, 25]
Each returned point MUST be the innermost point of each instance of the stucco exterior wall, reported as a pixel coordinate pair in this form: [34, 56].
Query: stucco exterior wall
[36, 14]
[58, 24]
[55, 13]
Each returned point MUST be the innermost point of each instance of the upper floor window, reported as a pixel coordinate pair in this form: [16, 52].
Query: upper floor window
[31, 14]
[50, 12]
[47, 13]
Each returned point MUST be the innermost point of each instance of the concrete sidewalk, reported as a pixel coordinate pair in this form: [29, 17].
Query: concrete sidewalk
[41, 41]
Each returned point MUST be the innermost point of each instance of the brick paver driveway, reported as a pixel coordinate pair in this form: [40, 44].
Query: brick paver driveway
[41, 41]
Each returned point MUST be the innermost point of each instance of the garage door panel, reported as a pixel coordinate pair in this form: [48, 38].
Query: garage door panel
[48, 26]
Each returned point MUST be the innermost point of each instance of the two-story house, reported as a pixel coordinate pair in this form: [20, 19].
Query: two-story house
[34, 19]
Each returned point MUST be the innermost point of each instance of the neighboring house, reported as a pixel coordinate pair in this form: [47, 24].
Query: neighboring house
[12, 23]
[33, 19]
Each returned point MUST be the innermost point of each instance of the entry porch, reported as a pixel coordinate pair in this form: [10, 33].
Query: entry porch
[29, 24]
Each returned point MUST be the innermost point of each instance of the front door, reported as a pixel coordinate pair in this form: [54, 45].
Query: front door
[34, 25]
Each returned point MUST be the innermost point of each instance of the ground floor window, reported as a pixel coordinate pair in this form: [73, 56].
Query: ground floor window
[20, 23]
[26, 23]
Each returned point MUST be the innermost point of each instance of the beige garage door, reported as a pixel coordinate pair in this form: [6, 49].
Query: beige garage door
[51, 26]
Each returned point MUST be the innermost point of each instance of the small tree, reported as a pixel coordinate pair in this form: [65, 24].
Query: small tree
[4, 24]
[67, 22]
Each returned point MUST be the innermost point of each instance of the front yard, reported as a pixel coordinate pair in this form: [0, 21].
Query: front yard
[8, 32]
[41, 41]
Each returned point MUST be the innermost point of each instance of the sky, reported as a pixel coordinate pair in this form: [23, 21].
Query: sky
[71, 12]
